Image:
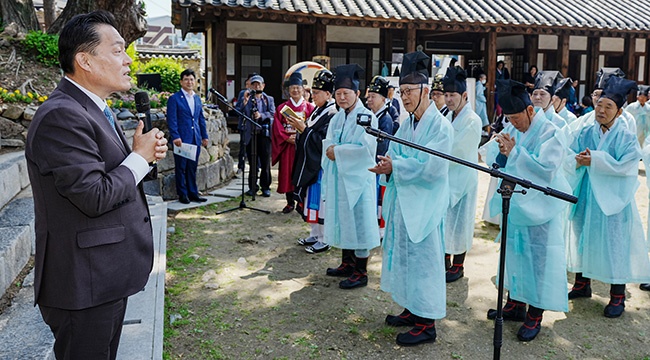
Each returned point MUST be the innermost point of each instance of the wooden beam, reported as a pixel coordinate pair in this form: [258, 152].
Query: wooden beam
[320, 39]
[593, 50]
[646, 73]
[532, 48]
[219, 56]
[410, 40]
[386, 40]
[563, 54]
[490, 70]
[629, 61]
[305, 41]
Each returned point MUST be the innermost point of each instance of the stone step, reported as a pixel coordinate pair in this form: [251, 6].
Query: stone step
[16, 239]
[24, 335]
[13, 176]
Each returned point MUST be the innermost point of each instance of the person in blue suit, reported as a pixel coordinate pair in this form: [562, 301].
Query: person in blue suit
[186, 125]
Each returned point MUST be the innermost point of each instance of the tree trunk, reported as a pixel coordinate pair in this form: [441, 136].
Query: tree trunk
[129, 16]
[18, 16]
[49, 12]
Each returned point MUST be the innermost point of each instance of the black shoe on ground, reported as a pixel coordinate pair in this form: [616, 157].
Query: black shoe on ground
[581, 289]
[529, 330]
[406, 318]
[307, 241]
[197, 198]
[644, 287]
[250, 192]
[266, 193]
[511, 311]
[184, 200]
[420, 334]
[355, 280]
[318, 247]
[616, 306]
[454, 273]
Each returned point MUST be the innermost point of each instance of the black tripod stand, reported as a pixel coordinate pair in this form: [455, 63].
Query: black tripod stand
[506, 190]
[252, 162]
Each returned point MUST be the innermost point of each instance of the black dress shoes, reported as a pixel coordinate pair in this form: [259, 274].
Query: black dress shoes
[513, 311]
[644, 287]
[184, 200]
[581, 289]
[423, 332]
[406, 318]
[197, 198]
[531, 327]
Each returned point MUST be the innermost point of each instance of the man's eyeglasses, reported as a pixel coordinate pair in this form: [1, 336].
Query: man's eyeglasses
[407, 91]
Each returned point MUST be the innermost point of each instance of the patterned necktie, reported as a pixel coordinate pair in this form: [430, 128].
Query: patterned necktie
[109, 115]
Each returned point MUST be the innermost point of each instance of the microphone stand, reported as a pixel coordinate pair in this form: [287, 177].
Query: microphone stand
[506, 190]
[251, 162]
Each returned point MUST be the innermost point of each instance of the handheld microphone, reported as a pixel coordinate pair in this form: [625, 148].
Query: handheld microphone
[219, 96]
[143, 107]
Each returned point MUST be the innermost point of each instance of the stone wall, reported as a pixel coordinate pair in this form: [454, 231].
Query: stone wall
[215, 163]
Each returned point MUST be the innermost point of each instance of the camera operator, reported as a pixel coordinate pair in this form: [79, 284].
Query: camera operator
[261, 109]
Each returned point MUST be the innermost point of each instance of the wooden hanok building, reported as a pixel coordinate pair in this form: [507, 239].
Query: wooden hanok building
[268, 36]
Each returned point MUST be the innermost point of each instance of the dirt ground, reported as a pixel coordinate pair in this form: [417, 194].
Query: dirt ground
[239, 287]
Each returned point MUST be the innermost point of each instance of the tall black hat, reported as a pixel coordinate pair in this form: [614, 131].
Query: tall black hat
[563, 88]
[295, 79]
[617, 89]
[513, 96]
[643, 90]
[379, 85]
[546, 80]
[455, 80]
[323, 80]
[415, 68]
[347, 76]
[603, 75]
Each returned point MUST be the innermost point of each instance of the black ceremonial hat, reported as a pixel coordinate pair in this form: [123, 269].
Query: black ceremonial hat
[513, 96]
[546, 80]
[603, 75]
[437, 82]
[415, 68]
[295, 79]
[563, 88]
[323, 80]
[455, 80]
[617, 89]
[643, 90]
[347, 76]
[379, 85]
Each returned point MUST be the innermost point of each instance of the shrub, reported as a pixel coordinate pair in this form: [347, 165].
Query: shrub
[136, 64]
[169, 70]
[44, 46]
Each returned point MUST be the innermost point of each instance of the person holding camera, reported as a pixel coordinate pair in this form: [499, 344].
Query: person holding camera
[348, 188]
[261, 108]
[415, 203]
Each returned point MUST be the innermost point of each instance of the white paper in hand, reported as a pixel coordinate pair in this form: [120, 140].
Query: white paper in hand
[186, 150]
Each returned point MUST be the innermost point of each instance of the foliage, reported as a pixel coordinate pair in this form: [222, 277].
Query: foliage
[169, 70]
[136, 64]
[16, 97]
[2, 25]
[127, 100]
[44, 46]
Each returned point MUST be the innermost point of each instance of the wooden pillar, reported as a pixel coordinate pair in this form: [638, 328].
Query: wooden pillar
[219, 56]
[563, 54]
[386, 50]
[305, 41]
[532, 47]
[646, 73]
[629, 62]
[320, 38]
[410, 39]
[593, 49]
[490, 70]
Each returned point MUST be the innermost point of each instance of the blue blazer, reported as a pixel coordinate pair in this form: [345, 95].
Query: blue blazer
[190, 129]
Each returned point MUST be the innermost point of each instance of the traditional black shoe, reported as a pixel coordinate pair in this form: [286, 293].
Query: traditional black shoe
[456, 272]
[422, 333]
[355, 280]
[616, 306]
[197, 198]
[287, 209]
[644, 287]
[344, 270]
[406, 318]
[250, 192]
[184, 200]
[514, 311]
[580, 289]
[529, 330]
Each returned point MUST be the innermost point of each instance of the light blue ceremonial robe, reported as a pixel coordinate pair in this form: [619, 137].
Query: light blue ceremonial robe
[641, 116]
[645, 153]
[348, 188]
[568, 116]
[535, 270]
[553, 117]
[481, 104]
[463, 182]
[605, 239]
[415, 203]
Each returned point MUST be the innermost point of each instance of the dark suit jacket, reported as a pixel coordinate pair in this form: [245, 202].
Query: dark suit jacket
[182, 125]
[266, 108]
[93, 234]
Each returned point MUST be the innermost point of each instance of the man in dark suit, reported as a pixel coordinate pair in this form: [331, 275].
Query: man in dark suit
[186, 125]
[94, 244]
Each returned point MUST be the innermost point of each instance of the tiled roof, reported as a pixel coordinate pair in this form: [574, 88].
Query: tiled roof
[625, 15]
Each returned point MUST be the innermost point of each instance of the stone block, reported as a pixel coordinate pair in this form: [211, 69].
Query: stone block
[213, 151]
[9, 182]
[204, 157]
[9, 128]
[201, 177]
[169, 187]
[12, 143]
[20, 212]
[15, 250]
[28, 113]
[13, 112]
[167, 163]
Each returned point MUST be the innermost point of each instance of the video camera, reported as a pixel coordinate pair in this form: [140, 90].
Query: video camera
[364, 120]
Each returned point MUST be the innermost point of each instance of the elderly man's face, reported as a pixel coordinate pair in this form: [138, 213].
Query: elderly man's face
[541, 98]
[108, 64]
[522, 120]
[413, 95]
[607, 111]
[345, 98]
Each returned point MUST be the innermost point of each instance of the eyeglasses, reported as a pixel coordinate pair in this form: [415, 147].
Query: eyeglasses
[407, 91]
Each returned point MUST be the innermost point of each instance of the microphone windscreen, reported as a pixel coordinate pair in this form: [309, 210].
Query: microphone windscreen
[142, 104]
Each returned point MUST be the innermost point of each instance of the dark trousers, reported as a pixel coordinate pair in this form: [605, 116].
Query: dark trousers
[89, 334]
[263, 161]
[185, 173]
